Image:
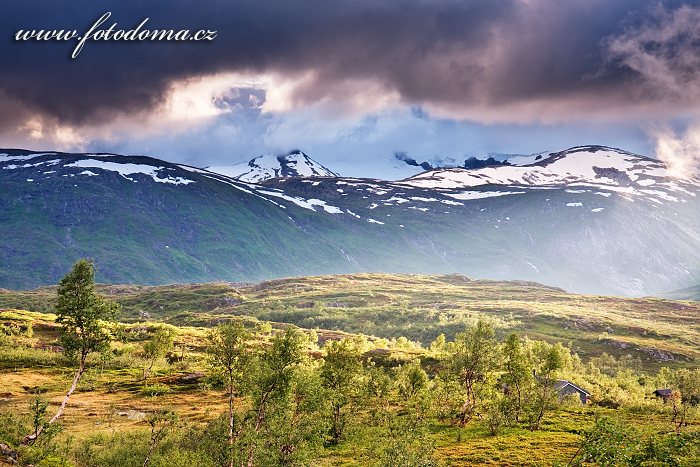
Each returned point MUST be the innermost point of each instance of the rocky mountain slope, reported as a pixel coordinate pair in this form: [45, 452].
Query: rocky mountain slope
[294, 164]
[589, 219]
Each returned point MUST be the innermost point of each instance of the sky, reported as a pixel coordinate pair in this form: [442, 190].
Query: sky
[352, 82]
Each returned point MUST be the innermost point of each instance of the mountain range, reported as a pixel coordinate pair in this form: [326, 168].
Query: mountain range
[588, 219]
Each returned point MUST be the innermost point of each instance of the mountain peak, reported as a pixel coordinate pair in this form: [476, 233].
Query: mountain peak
[548, 219]
[502, 159]
[592, 165]
[293, 164]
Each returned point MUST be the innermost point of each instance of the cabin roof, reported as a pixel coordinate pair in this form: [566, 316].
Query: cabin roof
[663, 392]
[562, 383]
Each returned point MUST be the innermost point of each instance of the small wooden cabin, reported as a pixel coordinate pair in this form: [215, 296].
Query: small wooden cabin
[564, 388]
[663, 394]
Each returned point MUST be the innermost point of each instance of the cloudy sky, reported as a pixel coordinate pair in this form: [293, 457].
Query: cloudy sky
[351, 82]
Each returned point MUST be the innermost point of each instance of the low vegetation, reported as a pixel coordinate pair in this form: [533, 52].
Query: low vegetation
[234, 389]
[657, 332]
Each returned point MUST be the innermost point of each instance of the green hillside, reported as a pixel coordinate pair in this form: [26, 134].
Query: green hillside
[420, 308]
[689, 293]
[364, 369]
[167, 223]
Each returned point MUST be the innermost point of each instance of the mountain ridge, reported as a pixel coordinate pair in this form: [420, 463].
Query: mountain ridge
[294, 164]
[150, 221]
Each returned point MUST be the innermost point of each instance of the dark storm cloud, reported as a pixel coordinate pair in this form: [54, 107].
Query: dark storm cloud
[478, 54]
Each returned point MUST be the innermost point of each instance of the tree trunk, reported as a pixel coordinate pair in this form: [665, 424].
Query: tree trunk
[155, 437]
[30, 438]
[148, 456]
[469, 405]
[258, 423]
[337, 430]
[147, 370]
[535, 425]
[230, 423]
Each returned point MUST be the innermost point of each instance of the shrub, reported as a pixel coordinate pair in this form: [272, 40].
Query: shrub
[608, 403]
[17, 356]
[123, 449]
[613, 443]
[177, 457]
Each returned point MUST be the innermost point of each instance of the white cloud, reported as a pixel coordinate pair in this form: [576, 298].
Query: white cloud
[50, 133]
[681, 153]
[663, 53]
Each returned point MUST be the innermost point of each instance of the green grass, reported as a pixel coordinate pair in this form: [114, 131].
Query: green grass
[657, 331]
[112, 398]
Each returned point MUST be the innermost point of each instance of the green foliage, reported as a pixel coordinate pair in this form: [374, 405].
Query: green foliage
[497, 411]
[229, 359]
[161, 422]
[14, 356]
[687, 382]
[474, 356]
[81, 312]
[284, 399]
[295, 426]
[15, 325]
[421, 308]
[448, 396]
[411, 379]
[38, 411]
[341, 373]
[119, 450]
[685, 396]
[228, 352]
[177, 457]
[45, 451]
[612, 443]
[13, 427]
[516, 379]
[547, 360]
[403, 442]
[157, 347]
[388, 404]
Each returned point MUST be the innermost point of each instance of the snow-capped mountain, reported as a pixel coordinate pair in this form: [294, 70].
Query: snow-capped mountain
[588, 219]
[586, 165]
[470, 162]
[294, 164]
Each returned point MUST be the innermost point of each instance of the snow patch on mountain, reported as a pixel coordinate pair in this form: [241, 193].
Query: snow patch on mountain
[26, 166]
[305, 203]
[130, 169]
[529, 159]
[584, 166]
[20, 157]
[481, 194]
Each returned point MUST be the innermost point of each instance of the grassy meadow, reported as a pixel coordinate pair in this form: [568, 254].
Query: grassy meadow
[615, 348]
[659, 332]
